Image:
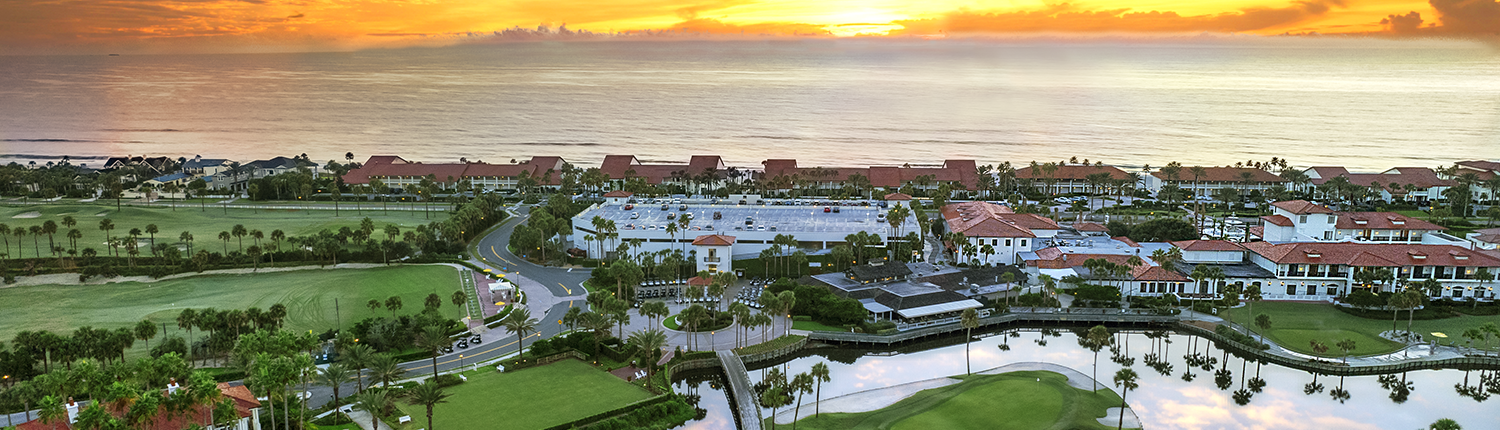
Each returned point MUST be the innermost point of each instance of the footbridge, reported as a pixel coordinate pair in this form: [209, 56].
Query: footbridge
[740, 391]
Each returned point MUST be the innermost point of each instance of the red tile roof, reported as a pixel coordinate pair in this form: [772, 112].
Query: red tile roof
[1382, 221]
[1074, 172]
[1090, 226]
[1208, 245]
[384, 167]
[713, 240]
[1302, 207]
[1372, 254]
[1421, 177]
[1127, 241]
[897, 196]
[985, 219]
[1481, 165]
[955, 171]
[244, 402]
[618, 193]
[617, 165]
[1224, 174]
[1157, 273]
[1278, 220]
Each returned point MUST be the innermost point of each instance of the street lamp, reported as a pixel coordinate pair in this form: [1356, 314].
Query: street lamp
[460, 362]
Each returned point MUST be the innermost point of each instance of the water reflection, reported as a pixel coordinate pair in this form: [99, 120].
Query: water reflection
[1242, 393]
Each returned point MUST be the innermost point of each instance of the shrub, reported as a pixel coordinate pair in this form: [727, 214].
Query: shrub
[1225, 331]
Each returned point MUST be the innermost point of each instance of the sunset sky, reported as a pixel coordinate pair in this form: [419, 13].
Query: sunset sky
[47, 26]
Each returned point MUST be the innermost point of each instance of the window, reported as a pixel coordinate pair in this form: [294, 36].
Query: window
[1023, 243]
[1302, 219]
[1332, 219]
[1291, 290]
[1007, 242]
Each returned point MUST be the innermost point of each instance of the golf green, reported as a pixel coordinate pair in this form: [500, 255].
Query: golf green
[533, 398]
[309, 296]
[1013, 400]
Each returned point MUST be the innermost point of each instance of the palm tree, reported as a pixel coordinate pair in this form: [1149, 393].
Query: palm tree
[1126, 380]
[970, 320]
[51, 410]
[1263, 321]
[188, 319]
[801, 384]
[433, 340]
[1445, 424]
[429, 394]
[376, 403]
[1346, 345]
[820, 374]
[385, 368]
[105, 225]
[334, 375]
[649, 342]
[691, 317]
[1097, 338]
[225, 236]
[520, 322]
[357, 357]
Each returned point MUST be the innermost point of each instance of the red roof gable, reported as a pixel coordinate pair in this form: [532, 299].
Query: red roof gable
[618, 193]
[244, 402]
[985, 219]
[713, 240]
[1278, 220]
[897, 196]
[1208, 245]
[1375, 254]
[1090, 226]
[1074, 172]
[1382, 221]
[1302, 207]
[1225, 174]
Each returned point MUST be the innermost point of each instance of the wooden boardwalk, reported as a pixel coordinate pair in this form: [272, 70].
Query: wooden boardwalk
[740, 390]
[1114, 317]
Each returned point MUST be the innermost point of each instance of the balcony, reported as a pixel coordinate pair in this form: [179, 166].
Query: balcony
[710, 259]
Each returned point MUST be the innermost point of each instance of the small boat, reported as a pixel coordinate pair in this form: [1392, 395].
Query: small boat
[114, 55]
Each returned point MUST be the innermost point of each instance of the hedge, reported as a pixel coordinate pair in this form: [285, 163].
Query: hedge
[1223, 330]
[611, 413]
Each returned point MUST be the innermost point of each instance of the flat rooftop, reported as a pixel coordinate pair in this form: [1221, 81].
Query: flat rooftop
[785, 219]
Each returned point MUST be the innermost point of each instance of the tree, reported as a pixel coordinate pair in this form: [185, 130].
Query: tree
[357, 357]
[801, 384]
[1126, 380]
[433, 340]
[374, 305]
[105, 225]
[51, 411]
[428, 394]
[1264, 322]
[376, 403]
[432, 302]
[335, 375]
[1097, 338]
[1163, 230]
[239, 232]
[187, 319]
[1346, 345]
[649, 342]
[820, 374]
[393, 304]
[520, 322]
[970, 320]
[1445, 424]
[145, 330]
[385, 368]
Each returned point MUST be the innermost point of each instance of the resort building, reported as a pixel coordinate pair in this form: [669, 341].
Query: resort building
[785, 174]
[398, 173]
[1326, 270]
[753, 226]
[917, 294]
[1243, 179]
[1005, 232]
[1068, 179]
[1413, 184]
[701, 171]
[238, 179]
[1487, 239]
[1304, 221]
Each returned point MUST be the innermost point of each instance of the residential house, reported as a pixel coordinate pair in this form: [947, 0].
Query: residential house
[620, 168]
[785, 174]
[1304, 221]
[237, 178]
[1413, 184]
[398, 173]
[1325, 270]
[199, 166]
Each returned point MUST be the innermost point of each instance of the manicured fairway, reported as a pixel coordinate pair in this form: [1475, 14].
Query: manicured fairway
[533, 398]
[1012, 400]
[1294, 325]
[205, 225]
[307, 294]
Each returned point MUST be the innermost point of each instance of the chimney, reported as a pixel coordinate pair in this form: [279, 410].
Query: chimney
[72, 411]
[172, 387]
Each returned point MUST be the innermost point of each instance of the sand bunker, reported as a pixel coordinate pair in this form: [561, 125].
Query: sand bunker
[32, 214]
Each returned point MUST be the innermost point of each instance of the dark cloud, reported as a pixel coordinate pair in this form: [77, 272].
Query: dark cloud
[1479, 17]
[1410, 23]
[1065, 17]
[298, 15]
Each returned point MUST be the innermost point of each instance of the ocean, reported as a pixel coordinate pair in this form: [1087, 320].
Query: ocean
[1364, 104]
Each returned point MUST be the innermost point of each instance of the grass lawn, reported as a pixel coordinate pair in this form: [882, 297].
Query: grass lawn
[1294, 325]
[816, 326]
[1013, 400]
[204, 225]
[533, 398]
[307, 294]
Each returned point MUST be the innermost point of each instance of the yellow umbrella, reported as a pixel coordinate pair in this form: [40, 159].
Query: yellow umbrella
[1437, 334]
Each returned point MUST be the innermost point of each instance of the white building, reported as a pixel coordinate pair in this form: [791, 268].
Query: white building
[998, 227]
[1304, 221]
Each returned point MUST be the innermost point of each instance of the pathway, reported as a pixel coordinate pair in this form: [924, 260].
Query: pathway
[362, 419]
[740, 389]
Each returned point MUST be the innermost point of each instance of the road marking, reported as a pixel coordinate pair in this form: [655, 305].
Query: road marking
[487, 351]
[569, 290]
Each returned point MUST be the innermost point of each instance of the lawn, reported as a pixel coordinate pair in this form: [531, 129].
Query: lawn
[532, 398]
[1013, 400]
[204, 225]
[308, 295]
[1294, 325]
[815, 326]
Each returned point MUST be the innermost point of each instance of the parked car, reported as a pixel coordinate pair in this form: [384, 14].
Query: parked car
[827, 209]
[629, 207]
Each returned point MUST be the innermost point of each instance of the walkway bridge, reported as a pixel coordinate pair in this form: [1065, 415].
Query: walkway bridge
[1113, 317]
[741, 391]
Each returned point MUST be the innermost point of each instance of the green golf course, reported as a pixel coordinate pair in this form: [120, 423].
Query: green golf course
[1295, 324]
[533, 398]
[308, 295]
[204, 224]
[1013, 400]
